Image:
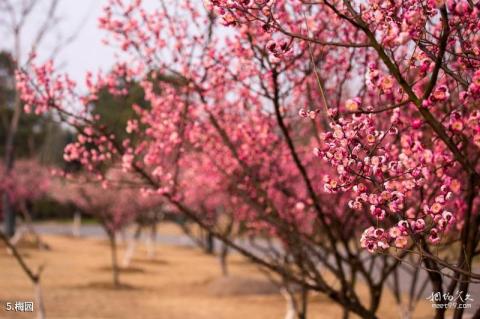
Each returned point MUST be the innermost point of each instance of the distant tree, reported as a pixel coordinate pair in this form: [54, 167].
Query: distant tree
[27, 183]
[114, 207]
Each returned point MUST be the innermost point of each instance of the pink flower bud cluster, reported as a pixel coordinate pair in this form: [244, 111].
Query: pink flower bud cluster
[384, 171]
[54, 88]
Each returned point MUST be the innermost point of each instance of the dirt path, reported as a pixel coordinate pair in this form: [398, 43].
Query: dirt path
[181, 283]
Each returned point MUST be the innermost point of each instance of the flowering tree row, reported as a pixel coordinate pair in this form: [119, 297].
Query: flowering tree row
[342, 135]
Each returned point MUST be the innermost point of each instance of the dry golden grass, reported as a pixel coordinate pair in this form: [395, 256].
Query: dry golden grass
[181, 283]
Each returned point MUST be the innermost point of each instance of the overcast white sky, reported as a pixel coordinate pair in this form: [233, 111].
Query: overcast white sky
[86, 52]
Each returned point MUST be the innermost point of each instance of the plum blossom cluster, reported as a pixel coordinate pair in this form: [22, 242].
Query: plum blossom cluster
[91, 149]
[232, 12]
[385, 171]
[41, 90]
[397, 24]
[312, 114]
[278, 50]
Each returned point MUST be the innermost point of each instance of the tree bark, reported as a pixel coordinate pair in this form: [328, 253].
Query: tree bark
[115, 269]
[34, 277]
[303, 303]
[469, 235]
[291, 311]
[39, 300]
[437, 286]
[127, 258]
[209, 243]
[223, 259]
[152, 241]
[9, 216]
[8, 211]
[76, 224]
[476, 315]
[29, 225]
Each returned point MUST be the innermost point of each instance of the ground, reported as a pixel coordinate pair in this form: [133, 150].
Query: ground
[180, 283]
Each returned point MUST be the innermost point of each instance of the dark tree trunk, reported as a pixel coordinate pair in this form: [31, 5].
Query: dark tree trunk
[302, 313]
[476, 315]
[9, 163]
[223, 259]
[437, 287]
[209, 243]
[469, 244]
[9, 216]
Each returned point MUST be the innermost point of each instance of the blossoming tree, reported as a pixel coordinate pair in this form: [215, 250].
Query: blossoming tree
[114, 206]
[28, 182]
[405, 143]
[344, 135]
